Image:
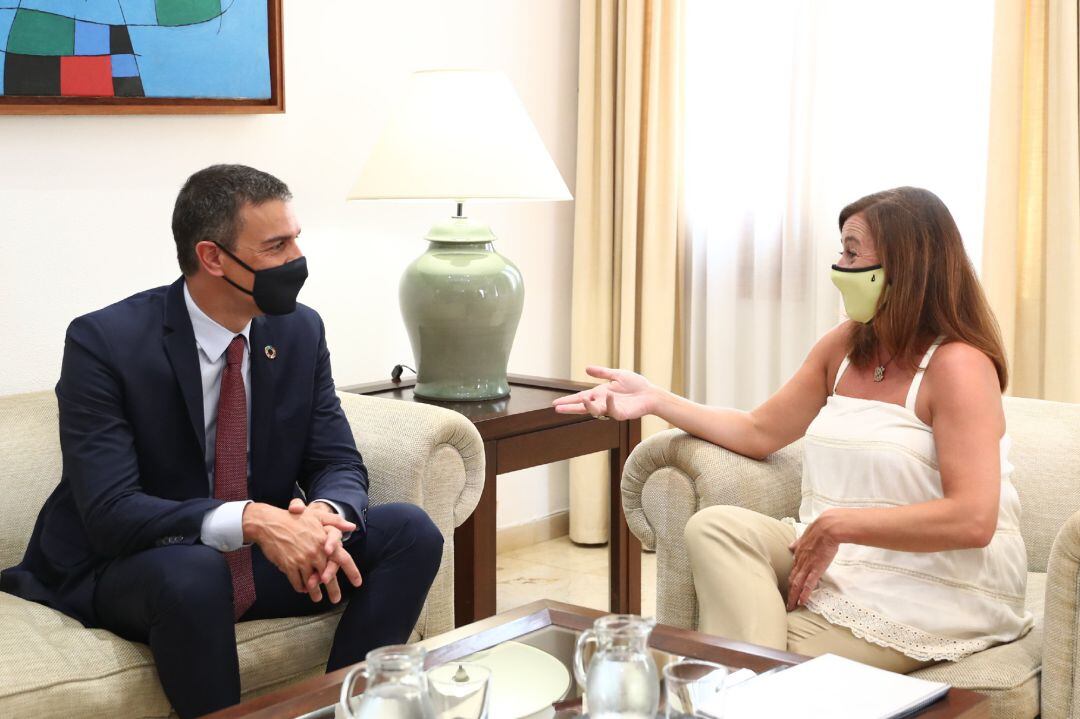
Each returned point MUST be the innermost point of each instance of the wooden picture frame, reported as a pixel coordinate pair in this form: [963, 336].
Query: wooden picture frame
[94, 37]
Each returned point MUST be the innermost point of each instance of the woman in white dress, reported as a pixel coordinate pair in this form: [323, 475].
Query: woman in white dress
[907, 549]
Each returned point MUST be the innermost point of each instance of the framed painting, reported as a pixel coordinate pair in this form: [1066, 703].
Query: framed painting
[140, 56]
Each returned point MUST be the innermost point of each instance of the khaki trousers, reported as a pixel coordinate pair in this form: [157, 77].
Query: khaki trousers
[741, 564]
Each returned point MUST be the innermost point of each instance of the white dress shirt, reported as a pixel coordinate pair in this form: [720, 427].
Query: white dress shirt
[222, 528]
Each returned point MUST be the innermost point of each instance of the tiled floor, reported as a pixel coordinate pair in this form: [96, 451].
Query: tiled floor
[559, 569]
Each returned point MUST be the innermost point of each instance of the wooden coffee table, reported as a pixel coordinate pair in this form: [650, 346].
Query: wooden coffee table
[553, 627]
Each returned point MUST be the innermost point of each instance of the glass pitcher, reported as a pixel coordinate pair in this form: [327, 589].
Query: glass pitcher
[396, 686]
[622, 679]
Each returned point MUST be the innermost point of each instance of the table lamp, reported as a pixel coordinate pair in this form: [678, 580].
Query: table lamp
[460, 135]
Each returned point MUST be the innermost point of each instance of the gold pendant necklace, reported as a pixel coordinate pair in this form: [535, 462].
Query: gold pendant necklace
[879, 371]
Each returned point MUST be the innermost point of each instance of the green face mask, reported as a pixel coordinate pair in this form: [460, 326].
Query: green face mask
[861, 288]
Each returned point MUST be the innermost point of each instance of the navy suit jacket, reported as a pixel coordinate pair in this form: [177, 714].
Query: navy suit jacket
[132, 437]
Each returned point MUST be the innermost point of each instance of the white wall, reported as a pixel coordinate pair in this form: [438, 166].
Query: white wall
[85, 202]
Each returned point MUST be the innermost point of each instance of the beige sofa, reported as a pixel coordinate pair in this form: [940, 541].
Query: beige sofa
[50, 666]
[672, 475]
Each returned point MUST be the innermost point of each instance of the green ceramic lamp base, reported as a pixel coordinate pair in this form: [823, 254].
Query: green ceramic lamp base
[456, 392]
[461, 302]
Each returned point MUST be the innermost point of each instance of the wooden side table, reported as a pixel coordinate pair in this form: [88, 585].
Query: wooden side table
[521, 431]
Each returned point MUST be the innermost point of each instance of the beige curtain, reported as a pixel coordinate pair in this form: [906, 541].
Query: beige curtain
[628, 255]
[1031, 255]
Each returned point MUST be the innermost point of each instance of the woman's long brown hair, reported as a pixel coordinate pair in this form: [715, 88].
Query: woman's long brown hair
[931, 285]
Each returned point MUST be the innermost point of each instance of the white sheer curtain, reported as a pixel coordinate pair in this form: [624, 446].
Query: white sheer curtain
[795, 108]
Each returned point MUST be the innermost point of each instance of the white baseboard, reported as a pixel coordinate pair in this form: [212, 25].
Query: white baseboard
[539, 530]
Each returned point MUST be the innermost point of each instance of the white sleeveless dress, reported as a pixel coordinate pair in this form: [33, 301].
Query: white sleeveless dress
[930, 606]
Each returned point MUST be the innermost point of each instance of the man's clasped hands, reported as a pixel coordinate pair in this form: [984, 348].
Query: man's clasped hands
[305, 543]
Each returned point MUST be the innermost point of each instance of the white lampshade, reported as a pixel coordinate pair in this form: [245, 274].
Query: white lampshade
[458, 135]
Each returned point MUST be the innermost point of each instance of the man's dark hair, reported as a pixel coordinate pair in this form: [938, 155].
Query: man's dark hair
[208, 207]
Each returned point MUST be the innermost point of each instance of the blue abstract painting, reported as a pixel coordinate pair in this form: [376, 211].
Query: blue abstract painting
[208, 49]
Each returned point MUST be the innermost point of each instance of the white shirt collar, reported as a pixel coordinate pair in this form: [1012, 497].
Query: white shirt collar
[211, 337]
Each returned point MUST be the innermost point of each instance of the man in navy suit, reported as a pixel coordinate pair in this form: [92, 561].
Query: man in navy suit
[210, 475]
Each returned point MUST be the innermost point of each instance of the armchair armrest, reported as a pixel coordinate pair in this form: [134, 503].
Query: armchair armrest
[1061, 625]
[672, 475]
[428, 456]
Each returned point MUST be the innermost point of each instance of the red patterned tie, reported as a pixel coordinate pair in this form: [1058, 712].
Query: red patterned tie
[230, 466]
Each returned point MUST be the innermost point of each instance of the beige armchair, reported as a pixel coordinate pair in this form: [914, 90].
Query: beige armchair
[672, 475]
[51, 666]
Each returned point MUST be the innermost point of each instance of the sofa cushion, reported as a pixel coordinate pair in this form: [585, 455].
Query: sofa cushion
[54, 667]
[30, 470]
[1045, 436]
[1008, 673]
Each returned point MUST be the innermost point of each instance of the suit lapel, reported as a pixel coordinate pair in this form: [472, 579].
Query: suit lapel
[184, 358]
[263, 391]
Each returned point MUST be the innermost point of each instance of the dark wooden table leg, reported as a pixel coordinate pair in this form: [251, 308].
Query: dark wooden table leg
[474, 553]
[624, 561]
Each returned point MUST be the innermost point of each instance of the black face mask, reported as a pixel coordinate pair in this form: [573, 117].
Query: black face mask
[275, 288]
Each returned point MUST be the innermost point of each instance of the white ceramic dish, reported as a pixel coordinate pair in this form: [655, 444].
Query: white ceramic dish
[525, 681]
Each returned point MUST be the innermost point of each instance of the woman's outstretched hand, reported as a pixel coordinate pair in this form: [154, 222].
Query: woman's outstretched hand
[625, 395]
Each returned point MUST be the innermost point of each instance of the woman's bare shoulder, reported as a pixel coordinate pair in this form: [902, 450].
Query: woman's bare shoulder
[962, 376]
[957, 358]
[832, 346]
